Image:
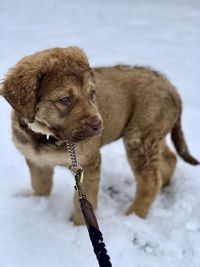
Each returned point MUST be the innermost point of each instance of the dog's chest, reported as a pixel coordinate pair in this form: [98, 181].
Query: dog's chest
[43, 155]
[51, 155]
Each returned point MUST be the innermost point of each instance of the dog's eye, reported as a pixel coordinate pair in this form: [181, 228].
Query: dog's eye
[66, 100]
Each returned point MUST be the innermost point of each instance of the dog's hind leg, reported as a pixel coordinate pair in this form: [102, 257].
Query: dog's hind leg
[168, 164]
[41, 178]
[144, 158]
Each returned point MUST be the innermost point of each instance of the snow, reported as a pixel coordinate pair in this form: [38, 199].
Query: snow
[37, 231]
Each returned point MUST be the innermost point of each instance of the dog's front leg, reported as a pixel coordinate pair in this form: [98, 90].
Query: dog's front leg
[41, 178]
[90, 188]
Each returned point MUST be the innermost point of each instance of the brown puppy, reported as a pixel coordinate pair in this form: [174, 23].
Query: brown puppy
[53, 93]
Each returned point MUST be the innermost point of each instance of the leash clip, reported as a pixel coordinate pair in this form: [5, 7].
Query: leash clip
[79, 179]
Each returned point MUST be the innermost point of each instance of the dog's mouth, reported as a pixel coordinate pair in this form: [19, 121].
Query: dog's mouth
[78, 135]
[84, 135]
[60, 134]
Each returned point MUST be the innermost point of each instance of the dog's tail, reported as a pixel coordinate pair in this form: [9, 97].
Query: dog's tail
[180, 143]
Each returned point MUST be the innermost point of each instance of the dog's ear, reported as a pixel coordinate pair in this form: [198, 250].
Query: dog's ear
[21, 86]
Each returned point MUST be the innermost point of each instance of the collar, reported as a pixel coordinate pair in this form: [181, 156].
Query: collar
[39, 137]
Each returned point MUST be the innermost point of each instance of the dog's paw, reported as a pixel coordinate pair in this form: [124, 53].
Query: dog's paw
[77, 219]
[138, 211]
[40, 194]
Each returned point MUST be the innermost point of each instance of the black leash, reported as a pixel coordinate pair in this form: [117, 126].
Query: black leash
[95, 234]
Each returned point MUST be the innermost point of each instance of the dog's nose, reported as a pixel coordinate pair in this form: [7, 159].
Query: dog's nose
[95, 125]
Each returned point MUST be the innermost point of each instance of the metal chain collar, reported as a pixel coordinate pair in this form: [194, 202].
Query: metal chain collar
[76, 169]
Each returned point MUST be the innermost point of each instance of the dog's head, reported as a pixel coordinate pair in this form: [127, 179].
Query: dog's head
[54, 91]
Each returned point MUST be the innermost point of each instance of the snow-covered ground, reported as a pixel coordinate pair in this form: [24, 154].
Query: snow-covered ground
[37, 232]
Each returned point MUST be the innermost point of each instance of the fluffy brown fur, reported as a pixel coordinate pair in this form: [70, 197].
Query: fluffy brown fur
[53, 93]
